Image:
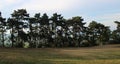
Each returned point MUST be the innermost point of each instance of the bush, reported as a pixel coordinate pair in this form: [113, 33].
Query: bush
[84, 43]
[114, 42]
[26, 45]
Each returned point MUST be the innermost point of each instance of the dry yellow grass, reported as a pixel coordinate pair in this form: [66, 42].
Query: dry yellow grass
[109, 54]
[87, 62]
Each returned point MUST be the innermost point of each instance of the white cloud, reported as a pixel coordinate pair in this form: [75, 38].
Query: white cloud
[106, 19]
[49, 5]
[112, 16]
[2, 4]
[7, 3]
[11, 1]
[68, 7]
[52, 5]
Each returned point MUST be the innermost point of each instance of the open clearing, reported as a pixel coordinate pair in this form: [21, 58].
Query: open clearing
[107, 54]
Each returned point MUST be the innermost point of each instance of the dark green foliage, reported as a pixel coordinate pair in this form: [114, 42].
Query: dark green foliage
[115, 36]
[44, 31]
[2, 28]
[99, 33]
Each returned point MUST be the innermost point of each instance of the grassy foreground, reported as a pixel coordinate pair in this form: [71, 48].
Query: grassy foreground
[109, 54]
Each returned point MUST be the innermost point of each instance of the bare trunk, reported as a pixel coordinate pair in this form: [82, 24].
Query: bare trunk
[3, 38]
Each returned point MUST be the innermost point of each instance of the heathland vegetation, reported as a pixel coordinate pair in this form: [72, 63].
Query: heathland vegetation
[106, 54]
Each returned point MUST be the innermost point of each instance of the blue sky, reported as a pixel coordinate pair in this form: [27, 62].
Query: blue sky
[103, 11]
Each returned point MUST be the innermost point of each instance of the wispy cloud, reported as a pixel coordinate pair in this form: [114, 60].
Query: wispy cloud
[54, 4]
[49, 5]
[103, 11]
[6, 3]
[57, 5]
[106, 19]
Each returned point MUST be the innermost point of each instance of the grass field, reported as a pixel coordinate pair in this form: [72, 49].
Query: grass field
[108, 54]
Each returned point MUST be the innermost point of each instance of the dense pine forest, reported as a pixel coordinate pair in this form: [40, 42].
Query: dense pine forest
[40, 31]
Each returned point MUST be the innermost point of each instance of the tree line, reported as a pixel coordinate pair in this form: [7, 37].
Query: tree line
[55, 31]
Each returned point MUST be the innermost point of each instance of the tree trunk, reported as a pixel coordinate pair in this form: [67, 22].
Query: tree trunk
[3, 38]
[12, 37]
